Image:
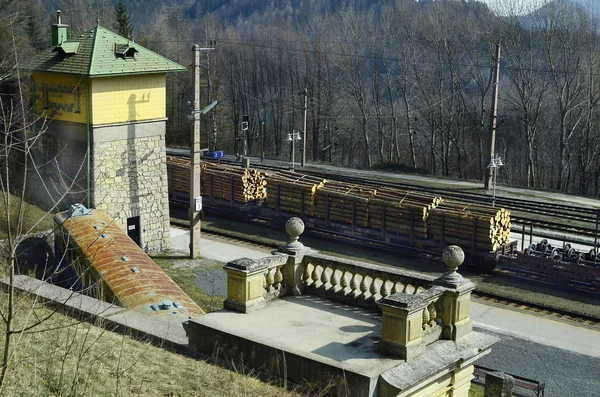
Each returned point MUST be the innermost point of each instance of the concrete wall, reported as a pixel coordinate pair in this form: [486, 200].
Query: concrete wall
[130, 178]
[123, 99]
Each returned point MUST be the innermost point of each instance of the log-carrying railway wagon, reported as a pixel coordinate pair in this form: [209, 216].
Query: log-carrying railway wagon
[369, 214]
[95, 256]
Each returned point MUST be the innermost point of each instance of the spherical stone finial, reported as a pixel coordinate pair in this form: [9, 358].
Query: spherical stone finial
[453, 256]
[294, 227]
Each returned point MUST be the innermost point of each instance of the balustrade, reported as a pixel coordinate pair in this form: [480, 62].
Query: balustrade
[416, 309]
[273, 282]
[357, 283]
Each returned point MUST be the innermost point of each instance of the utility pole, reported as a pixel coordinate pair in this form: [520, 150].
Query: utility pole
[195, 192]
[262, 142]
[493, 116]
[304, 134]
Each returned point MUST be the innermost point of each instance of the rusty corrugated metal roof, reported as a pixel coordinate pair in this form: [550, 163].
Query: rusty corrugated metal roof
[102, 242]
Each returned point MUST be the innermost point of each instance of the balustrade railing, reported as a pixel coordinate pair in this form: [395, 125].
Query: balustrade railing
[357, 283]
[416, 309]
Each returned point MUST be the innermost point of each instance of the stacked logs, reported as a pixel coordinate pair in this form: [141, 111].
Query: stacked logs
[220, 181]
[293, 193]
[226, 182]
[344, 202]
[179, 174]
[470, 226]
[402, 212]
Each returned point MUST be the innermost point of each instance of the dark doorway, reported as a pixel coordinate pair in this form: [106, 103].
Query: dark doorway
[133, 229]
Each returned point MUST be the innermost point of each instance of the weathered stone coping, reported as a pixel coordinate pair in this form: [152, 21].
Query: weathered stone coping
[115, 318]
[441, 357]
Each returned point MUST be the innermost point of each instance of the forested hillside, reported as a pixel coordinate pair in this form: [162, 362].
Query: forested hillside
[400, 83]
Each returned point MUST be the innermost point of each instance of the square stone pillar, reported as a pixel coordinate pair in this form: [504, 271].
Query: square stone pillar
[402, 325]
[461, 381]
[498, 384]
[456, 302]
[245, 285]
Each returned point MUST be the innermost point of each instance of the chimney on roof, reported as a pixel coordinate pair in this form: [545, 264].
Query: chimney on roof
[59, 31]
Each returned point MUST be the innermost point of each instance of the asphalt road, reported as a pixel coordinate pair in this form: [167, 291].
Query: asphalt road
[566, 374]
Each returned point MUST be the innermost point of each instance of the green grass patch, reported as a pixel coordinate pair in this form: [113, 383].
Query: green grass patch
[34, 218]
[476, 390]
[185, 273]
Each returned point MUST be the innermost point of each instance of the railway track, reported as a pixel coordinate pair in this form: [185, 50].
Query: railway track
[484, 296]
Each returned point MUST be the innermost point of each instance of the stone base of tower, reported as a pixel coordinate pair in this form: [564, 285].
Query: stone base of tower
[129, 174]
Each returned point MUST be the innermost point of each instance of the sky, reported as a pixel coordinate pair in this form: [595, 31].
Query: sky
[505, 7]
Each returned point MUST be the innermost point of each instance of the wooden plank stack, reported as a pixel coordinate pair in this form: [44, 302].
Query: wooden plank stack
[220, 181]
[293, 192]
[401, 211]
[481, 227]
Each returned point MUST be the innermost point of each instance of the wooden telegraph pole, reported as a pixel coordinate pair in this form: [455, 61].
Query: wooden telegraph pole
[493, 118]
[195, 192]
[305, 92]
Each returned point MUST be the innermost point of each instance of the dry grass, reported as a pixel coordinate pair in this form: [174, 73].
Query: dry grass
[79, 359]
[32, 215]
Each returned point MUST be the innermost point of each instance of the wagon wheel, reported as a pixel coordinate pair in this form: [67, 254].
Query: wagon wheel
[529, 249]
[570, 253]
[592, 254]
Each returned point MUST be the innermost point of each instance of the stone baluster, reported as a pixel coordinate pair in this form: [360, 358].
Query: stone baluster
[324, 278]
[354, 285]
[432, 314]
[364, 287]
[278, 277]
[398, 287]
[334, 280]
[270, 279]
[373, 290]
[306, 275]
[385, 289]
[314, 276]
[343, 282]
[426, 319]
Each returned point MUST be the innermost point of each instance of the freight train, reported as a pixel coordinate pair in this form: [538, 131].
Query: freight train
[368, 214]
[96, 257]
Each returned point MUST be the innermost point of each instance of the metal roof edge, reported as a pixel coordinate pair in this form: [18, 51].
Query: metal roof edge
[93, 76]
[180, 68]
[94, 40]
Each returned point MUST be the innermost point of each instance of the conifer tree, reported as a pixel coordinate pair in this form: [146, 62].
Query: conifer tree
[123, 25]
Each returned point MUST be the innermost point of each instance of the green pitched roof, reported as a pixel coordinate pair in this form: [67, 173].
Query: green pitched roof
[101, 53]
